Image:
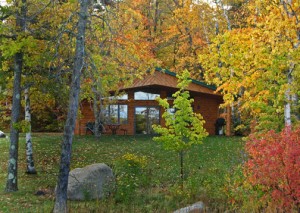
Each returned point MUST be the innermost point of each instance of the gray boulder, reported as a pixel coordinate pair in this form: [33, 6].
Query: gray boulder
[2, 135]
[195, 208]
[95, 181]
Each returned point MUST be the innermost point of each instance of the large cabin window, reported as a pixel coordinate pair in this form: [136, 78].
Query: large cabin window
[145, 96]
[116, 114]
[122, 96]
[145, 117]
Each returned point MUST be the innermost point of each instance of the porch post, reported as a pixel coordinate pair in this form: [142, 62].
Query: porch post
[228, 121]
[131, 116]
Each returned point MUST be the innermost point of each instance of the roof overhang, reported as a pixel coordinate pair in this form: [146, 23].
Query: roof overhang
[166, 79]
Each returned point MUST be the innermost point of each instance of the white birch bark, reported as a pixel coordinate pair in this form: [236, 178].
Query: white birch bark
[288, 93]
[29, 150]
[288, 99]
[232, 110]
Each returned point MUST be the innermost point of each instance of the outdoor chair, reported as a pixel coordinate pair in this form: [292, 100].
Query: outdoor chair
[90, 127]
[124, 131]
[219, 125]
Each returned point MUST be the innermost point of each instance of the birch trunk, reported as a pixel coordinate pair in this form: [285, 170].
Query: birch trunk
[225, 14]
[12, 177]
[234, 115]
[288, 99]
[231, 110]
[288, 92]
[29, 150]
[62, 182]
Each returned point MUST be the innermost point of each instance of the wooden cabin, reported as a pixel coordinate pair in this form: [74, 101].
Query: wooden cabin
[137, 110]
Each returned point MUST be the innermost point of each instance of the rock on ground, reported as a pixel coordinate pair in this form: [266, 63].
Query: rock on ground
[95, 181]
[195, 208]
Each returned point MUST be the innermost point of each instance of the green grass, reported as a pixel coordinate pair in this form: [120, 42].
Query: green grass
[205, 168]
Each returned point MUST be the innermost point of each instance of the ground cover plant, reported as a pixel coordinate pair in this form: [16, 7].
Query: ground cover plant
[147, 176]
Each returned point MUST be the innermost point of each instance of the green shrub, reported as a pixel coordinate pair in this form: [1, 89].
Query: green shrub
[241, 195]
[130, 174]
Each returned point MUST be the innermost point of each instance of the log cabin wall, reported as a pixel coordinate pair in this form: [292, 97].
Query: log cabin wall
[206, 102]
[206, 105]
[87, 115]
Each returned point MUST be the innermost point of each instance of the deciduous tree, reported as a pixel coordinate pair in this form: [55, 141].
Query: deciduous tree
[12, 177]
[21, 40]
[62, 182]
[183, 128]
[264, 56]
[29, 149]
[119, 49]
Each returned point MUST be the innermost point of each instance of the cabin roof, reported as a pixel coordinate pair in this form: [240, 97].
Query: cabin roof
[168, 72]
[166, 78]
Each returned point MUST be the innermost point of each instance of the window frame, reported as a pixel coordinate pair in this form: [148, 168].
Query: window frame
[108, 114]
[150, 96]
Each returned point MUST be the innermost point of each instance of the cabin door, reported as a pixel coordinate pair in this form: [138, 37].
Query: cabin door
[145, 117]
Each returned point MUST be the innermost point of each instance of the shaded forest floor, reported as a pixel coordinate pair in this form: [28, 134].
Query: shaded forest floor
[156, 188]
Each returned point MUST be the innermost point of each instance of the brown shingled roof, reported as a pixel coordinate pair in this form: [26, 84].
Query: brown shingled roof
[162, 78]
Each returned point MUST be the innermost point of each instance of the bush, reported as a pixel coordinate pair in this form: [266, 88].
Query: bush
[274, 166]
[241, 195]
[130, 175]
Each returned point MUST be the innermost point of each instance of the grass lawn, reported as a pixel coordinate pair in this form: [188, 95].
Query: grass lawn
[158, 190]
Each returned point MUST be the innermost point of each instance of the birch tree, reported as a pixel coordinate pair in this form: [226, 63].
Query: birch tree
[290, 8]
[21, 40]
[29, 150]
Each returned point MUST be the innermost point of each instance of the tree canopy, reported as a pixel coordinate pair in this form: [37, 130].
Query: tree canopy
[67, 51]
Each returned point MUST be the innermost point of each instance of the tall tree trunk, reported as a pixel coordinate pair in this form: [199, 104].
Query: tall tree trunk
[12, 177]
[29, 150]
[97, 113]
[288, 100]
[62, 182]
[97, 102]
[288, 95]
[156, 16]
[181, 169]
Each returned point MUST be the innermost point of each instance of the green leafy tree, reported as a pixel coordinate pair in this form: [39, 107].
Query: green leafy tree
[126, 53]
[183, 128]
[256, 67]
[22, 50]
[12, 177]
